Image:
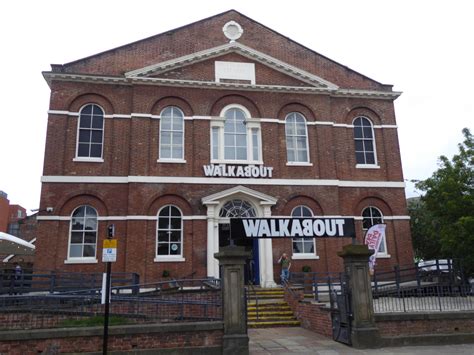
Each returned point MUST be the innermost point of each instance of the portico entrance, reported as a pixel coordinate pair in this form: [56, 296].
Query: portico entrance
[239, 201]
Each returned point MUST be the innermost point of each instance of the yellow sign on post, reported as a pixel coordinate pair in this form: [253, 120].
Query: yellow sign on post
[109, 251]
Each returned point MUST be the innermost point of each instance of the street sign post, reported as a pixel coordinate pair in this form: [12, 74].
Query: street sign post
[109, 256]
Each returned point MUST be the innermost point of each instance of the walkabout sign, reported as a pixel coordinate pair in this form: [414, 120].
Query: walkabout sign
[292, 228]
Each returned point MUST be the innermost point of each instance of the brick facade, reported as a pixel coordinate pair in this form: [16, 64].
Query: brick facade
[130, 186]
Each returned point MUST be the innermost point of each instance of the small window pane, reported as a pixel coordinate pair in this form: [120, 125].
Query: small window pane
[359, 146]
[85, 121]
[308, 246]
[77, 224]
[165, 151]
[76, 237]
[175, 236]
[370, 159]
[166, 138]
[367, 132]
[297, 246]
[360, 158]
[175, 223]
[241, 153]
[163, 236]
[84, 136]
[89, 251]
[96, 136]
[175, 249]
[83, 150]
[96, 150]
[177, 153]
[89, 237]
[75, 251]
[97, 122]
[165, 123]
[163, 248]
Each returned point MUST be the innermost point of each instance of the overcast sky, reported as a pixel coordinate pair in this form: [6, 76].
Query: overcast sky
[423, 48]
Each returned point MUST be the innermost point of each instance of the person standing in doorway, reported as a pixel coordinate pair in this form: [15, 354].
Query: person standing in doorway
[285, 263]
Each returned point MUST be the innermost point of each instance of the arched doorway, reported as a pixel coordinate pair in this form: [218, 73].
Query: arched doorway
[238, 208]
[256, 204]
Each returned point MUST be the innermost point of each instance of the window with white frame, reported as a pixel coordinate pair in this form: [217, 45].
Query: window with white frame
[370, 216]
[83, 233]
[303, 246]
[364, 141]
[236, 137]
[296, 138]
[90, 132]
[169, 239]
[171, 134]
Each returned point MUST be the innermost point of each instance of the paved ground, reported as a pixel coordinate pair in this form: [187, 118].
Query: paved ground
[301, 341]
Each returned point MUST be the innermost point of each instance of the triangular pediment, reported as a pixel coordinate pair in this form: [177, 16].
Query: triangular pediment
[175, 69]
[239, 191]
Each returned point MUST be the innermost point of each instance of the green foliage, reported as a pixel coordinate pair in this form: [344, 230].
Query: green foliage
[93, 321]
[449, 204]
[306, 268]
[166, 273]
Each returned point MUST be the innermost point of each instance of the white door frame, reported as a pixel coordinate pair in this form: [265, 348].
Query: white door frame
[262, 204]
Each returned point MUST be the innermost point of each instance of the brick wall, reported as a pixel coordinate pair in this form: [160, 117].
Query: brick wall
[182, 337]
[412, 324]
[313, 316]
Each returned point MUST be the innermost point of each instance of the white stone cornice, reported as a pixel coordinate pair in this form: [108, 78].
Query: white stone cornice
[69, 179]
[373, 94]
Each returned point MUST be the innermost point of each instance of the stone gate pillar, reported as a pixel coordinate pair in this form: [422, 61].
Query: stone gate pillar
[232, 261]
[364, 333]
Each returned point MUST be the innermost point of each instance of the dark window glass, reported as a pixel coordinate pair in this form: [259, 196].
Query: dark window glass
[364, 141]
[91, 123]
[170, 231]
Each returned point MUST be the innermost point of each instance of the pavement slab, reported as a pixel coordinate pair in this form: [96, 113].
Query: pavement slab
[295, 340]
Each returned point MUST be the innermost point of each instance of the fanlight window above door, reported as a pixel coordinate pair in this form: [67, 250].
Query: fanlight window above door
[237, 208]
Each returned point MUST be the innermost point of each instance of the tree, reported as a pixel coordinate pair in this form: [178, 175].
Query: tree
[449, 203]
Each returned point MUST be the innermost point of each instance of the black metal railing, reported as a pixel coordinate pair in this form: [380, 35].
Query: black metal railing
[32, 281]
[182, 301]
[436, 286]
[318, 285]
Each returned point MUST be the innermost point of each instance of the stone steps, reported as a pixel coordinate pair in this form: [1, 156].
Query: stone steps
[267, 308]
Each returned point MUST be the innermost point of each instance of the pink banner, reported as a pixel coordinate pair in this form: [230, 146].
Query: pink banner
[373, 238]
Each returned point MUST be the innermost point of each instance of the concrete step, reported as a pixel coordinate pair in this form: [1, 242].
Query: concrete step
[270, 318]
[270, 313]
[271, 324]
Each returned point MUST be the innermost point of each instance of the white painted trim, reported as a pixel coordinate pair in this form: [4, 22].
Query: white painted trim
[81, 261]
[118, 218]
[367, 166]
[382, 95]
[168, 259]
[216, 181]
[171, 161]
[298, 164]
[87, 160]
[201, 217]
[208, 118]
[302, 256]
[383, 256]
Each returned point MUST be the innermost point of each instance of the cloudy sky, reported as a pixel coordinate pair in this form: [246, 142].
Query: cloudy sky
[423, 48]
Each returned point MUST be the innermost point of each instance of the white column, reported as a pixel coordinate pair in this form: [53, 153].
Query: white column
[211, 243]
[266, 256]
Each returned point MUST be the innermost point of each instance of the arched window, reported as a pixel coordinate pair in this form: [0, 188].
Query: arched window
[83, 233]
[237, 208]
[364, 141]
[370, 216]
[169, 240]
[90, 132]
[171, 134]
[235, 137]
[303, 246]
[296, 138]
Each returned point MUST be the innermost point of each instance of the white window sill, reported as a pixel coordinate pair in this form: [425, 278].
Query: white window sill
[88, 160]
[305, 257]
[367, 166]
[81, 261]
[169, 259]
[236, 162]
[172, 161]
[298, 164]
[383, 256]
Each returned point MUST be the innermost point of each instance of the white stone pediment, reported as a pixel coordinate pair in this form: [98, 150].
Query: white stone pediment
[311, 80]
[240, 191]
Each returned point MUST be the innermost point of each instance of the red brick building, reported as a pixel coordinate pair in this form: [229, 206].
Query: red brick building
[170, 136]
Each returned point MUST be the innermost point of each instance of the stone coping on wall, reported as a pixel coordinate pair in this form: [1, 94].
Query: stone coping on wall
[34, 334]
[383, 317]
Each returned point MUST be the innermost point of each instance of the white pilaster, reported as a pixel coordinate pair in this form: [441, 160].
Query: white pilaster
[266, 255]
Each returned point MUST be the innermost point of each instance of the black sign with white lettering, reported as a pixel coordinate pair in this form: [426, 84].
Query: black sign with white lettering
[292, 228]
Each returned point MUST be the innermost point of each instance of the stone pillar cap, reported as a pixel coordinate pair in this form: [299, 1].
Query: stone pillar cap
[357, 250]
